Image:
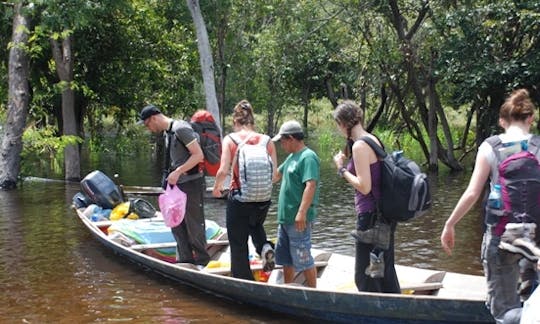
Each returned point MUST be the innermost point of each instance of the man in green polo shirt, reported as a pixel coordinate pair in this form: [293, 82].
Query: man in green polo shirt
[298, 199]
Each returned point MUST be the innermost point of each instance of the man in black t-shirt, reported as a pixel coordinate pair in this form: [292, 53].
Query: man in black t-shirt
[185, 156]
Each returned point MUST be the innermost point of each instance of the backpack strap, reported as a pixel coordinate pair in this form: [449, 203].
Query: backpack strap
[238, 142]
[167, 152]
[238, 146]
[495, 142]
[232, 138]
[534, 145]
[171, 133]
[379, 151]
[264, 140]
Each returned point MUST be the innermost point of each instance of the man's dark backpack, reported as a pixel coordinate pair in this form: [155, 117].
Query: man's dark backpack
[203, 123]
[405, 191]
[519, 177]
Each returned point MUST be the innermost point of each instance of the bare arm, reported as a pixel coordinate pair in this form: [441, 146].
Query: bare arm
[468, 198]
[307, 199]
[363, 157]
[196, 156]
[276, 176]
[224, 167]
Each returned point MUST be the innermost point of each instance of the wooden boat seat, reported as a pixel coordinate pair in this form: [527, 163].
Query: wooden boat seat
[256, 267]
[141, 247]
[422, 287]
[339, 275]
[321, 261]
[430, 286]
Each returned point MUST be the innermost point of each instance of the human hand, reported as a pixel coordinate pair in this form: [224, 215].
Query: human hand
[447, 239]
[217, 191]
[300, 222]
[172, 179]
[339, 159]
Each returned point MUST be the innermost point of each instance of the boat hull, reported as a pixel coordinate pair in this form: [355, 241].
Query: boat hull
[305, 302]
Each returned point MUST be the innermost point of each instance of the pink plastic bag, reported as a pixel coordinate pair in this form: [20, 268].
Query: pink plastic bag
[172, 204]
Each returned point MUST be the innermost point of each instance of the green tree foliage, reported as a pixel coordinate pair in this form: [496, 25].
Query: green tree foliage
[488, 48]
[408, 63]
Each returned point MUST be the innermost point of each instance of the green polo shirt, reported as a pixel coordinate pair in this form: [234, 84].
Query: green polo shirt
[296, 170]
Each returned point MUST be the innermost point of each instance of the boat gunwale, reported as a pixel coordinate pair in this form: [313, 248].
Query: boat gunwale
[174, 272]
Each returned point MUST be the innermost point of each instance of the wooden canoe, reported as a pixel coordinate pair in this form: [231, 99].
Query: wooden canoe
[428, 296]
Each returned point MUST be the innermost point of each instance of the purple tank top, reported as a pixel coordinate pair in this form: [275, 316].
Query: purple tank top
[366, 203]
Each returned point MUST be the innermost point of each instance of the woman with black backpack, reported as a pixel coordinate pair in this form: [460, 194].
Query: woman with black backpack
[374, 264]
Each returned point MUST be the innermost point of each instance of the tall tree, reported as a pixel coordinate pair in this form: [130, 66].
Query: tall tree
[18, 99]
[207, 62]
[423, 86]
[63, 58]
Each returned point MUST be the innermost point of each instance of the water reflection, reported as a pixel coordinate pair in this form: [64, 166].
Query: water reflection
[52, 270]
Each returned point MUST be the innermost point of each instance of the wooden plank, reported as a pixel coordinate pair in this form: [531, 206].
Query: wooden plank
[255, 267]
[140, 247]
[107, 223]
[102, 224]
[156, 191]
[142, 190]
[430, 286]
[422, 286]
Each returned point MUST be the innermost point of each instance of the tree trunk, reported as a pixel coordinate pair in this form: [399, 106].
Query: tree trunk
[222, 66]
[330, 90]
[432, 132]
[416, 72]
[488, 114]
[205, 56]
[64, 68]
[464, 137]
[378, 113]
[18, 99]
[305, 103]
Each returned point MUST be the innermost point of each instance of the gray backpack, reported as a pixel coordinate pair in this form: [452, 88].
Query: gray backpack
[255, 169]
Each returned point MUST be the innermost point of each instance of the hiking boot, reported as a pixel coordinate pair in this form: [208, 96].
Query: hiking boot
[379, 235]
[514, 231]
[376, 265]
[526, 288]
[360, 236]
[268, 260]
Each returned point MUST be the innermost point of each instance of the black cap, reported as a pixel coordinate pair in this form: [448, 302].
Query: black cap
[147, 112]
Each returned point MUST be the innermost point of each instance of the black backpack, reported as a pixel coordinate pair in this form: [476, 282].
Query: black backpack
[405, 191]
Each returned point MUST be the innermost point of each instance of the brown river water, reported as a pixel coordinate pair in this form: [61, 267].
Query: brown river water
[53, 271]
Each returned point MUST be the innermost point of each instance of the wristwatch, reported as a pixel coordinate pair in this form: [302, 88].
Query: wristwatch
[341, 171]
